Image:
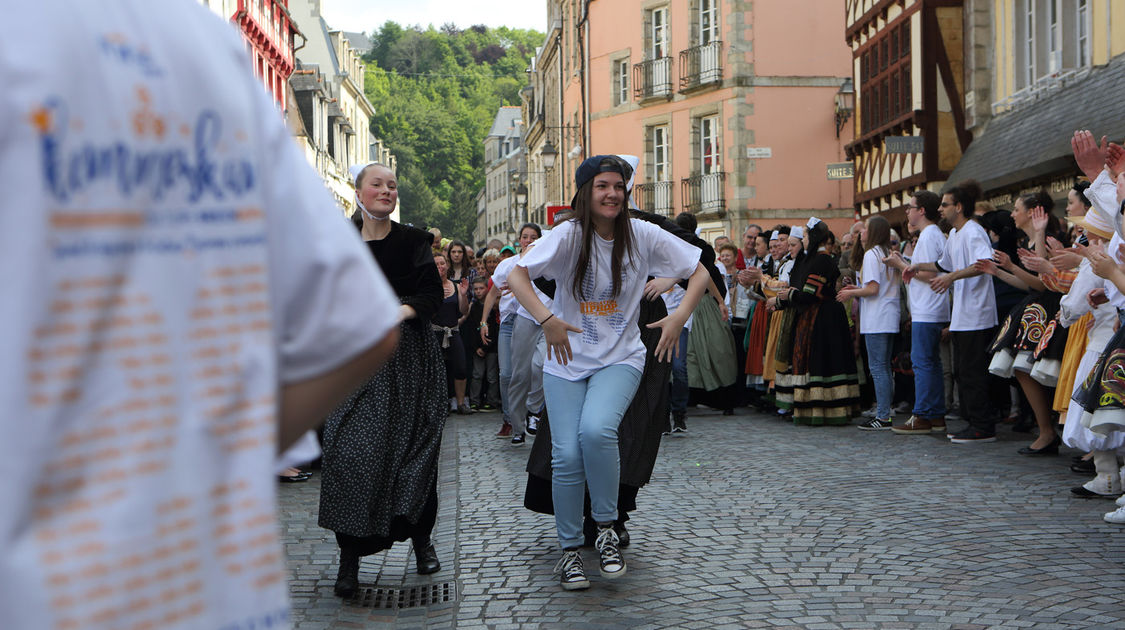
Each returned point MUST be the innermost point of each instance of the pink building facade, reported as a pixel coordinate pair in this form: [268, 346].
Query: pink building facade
[730, 106]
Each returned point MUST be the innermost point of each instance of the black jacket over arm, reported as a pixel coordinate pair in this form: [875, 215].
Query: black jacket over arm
[707, 253]
[407, 260]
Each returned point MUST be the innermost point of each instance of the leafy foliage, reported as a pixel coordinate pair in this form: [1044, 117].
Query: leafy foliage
[436, 92]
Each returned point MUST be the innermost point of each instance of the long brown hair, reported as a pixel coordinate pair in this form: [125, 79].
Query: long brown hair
[878, 235]
[623, 244]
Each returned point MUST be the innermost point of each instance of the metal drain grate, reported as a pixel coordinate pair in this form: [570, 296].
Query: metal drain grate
[398, 598]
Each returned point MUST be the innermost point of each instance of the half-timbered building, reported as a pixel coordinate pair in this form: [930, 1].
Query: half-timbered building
[909, 117]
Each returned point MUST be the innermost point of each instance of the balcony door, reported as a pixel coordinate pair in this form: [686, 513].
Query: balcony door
[709, 66]
[662, 62]
[711, 184]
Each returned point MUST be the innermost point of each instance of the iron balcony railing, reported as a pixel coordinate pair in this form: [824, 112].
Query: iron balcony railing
[655, 197]
[701, 65]
[704, 193]
[652, 79]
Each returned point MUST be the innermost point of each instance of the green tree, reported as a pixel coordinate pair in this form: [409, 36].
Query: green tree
[436, 92]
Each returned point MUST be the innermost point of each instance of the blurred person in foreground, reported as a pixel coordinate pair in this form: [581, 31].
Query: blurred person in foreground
[197, 304]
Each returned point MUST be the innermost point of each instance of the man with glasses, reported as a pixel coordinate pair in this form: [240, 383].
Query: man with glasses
[929, 313]
[974, 308]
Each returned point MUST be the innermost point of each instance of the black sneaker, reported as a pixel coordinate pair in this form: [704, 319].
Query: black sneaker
[518, 440]
[571, 575]
[608, 546]
[532, 423]
[875, 424]
[972, 436]
[679, 423]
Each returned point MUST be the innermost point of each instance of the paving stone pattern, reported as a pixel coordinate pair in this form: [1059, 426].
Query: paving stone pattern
[753, 522]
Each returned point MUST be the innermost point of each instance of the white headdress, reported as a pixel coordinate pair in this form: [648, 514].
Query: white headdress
[355, 170]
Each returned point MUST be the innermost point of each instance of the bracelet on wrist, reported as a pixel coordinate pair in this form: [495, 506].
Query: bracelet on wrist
[546, 319]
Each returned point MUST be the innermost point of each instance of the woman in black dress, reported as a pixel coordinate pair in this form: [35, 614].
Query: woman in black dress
[447, 325]
[379, 483]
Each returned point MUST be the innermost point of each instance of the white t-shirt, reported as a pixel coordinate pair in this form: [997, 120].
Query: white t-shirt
[156, 298]
[974, 303]
[609, 324]
[927, 306]
[508, 302]
[672, 299]
[880, 312]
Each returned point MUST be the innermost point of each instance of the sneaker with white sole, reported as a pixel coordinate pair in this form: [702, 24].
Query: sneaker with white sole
[609, 549]
[532, 423]
[1117, 516]
[518, 440]
[875, 424]
[1120, 501]
[870, 413]
[572, 576]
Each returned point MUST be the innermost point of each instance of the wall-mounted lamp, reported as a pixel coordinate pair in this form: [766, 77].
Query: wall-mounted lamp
[845, 104]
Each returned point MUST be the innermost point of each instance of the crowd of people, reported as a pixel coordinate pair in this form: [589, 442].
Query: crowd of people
[220, 321]
[965, 313]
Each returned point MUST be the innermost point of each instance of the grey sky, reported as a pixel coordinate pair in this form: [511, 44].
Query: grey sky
[367, 15]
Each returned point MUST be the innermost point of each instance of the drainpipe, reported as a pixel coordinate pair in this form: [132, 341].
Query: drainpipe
[559, 52]
[584, 57]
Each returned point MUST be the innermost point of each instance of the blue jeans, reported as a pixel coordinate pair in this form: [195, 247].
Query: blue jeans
[584, 417]
[679, 397]
[925, 356]
[879, 347]
[504, 349]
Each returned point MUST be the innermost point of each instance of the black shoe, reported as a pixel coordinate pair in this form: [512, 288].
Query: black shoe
[518, 440]
[1050, 449]
[572, 576]
[972, 436]
[1083, 466]
[427, 560]
[612, 565]
[1082, 492]
[679, 423]
[347, 578]
[622, 535]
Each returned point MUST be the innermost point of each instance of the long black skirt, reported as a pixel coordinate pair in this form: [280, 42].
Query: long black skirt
[381, 445]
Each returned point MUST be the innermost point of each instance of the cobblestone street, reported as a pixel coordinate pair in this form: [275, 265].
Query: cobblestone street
[748, 522]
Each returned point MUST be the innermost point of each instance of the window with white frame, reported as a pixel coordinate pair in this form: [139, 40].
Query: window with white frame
[621, 81]
[1052, 38]
[660, 169]
[659, 33]
[657, 191]
[1082, 53]
[1029, 42]
[709, 139]
[708, 21]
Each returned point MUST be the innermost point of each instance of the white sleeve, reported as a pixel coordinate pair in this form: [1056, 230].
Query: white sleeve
[873, 268]
[1074, 304]
[328, 298]
[500, 274]
[541, 261]
[669, 255]
[1102, 193]
[946, 260]
[933, 248]
[979, 246]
